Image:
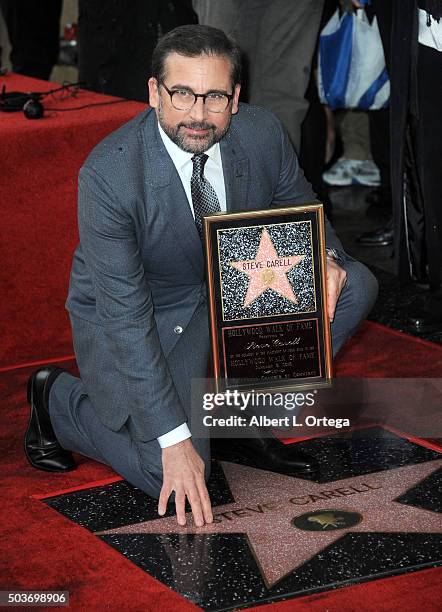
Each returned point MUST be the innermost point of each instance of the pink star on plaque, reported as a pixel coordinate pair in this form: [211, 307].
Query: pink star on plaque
[268, 271]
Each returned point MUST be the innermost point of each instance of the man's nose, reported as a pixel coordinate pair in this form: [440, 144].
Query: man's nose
[198, 110]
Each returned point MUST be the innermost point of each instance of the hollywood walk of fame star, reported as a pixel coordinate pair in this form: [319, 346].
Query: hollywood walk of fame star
[267, 503]
[268, 271]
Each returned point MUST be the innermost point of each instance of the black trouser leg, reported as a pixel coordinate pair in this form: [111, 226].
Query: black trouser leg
[380, 120]
[33, 30]
[429, 156]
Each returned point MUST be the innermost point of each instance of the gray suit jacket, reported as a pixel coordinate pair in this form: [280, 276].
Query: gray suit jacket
[138, 272]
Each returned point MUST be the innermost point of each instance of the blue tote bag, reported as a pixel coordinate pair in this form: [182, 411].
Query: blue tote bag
[351, 63]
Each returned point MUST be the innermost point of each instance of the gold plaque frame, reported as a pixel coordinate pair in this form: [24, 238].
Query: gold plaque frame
[266, 280]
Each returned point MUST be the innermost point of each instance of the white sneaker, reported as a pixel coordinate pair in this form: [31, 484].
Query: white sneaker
[352, 172]
[366, 173]
[341, 173]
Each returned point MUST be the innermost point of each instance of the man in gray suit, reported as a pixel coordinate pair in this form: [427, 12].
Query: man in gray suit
[137, 298]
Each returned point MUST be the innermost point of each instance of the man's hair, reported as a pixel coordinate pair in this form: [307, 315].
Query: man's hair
[193, 41]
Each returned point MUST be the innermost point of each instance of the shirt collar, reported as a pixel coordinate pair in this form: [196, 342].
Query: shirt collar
[180, 158]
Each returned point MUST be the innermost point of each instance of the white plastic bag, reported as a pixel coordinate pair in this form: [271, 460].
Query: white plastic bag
[351, 66]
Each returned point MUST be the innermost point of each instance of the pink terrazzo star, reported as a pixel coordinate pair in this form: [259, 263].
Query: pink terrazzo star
[268, 271]
[266, 504]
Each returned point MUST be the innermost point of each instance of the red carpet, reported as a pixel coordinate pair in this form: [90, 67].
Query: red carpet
[39, 227]
[378, 351]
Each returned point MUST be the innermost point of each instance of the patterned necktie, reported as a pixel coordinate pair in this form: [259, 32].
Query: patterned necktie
[204, 198]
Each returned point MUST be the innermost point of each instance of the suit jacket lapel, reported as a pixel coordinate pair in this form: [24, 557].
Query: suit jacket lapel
[171, 197]
[236, 171]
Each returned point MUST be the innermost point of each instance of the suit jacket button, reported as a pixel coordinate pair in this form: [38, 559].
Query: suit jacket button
[178, 329]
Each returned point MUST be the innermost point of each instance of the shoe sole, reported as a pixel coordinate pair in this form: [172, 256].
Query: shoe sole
[365, 183]
[375, 244]
[337, 183]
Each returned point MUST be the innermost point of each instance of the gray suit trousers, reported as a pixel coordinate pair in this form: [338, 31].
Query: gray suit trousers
[79, 429]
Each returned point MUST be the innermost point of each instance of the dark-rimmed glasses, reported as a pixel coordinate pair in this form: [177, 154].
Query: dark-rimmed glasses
[185, 99]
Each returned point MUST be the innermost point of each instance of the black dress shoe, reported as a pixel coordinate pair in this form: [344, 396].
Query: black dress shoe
[383, 236]
[425, 322]
[264, 453]
[42, 448]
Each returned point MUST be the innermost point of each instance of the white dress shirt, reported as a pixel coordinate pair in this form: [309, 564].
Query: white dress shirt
[213, 171]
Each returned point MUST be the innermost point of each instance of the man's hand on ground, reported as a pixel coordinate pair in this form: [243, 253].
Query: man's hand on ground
[183, 472]
[336, 279]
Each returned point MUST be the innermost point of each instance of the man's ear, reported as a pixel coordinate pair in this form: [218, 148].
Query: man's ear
[152, 84]
[235, 98]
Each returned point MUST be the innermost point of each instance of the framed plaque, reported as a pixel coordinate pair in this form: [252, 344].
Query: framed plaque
[266, 273]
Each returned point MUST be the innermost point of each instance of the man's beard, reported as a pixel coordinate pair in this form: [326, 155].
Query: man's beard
[192, 144]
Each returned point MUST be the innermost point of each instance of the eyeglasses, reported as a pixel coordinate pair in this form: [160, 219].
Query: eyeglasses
[185, 99]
